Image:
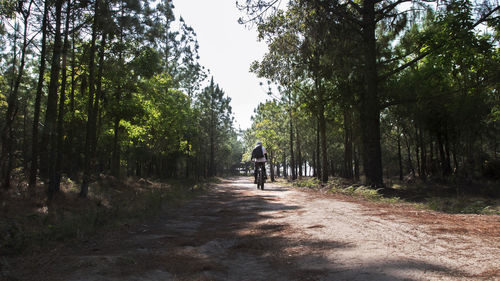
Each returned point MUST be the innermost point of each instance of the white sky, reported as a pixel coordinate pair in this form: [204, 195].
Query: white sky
[227, 50]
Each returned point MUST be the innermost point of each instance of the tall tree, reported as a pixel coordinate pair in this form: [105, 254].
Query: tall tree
[7, 130]
[38, 97]
[91, 120]
[49, 138]
[216, 120]
[62, 101]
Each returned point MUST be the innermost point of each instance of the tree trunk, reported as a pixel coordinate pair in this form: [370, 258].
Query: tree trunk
[347, 143]
[318, 149]
[410, 163]
[431, 158]
[423, 155]
[98, 97]
[455, 160]
[417, 152]
[38, 98]
[400, 160]
[91, 115]
[70, 149]
[370, 109]
[324, 159]
[447, 151]
[314, 164]
[115, 162]
[25, 144]
[271, 165]
[285, 172]
[115, 156]
[299, 152]
[211, 166]
[292, 159]
[356, 162]
[62, 100]
[8, 132]
[50, 131]
[442, 156]
[7, 137]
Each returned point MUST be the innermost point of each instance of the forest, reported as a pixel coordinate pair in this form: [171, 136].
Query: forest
[371, 91]
[107, 87]
[380, 91]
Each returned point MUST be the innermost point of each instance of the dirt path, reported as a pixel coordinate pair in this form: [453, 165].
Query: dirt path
[238, 232]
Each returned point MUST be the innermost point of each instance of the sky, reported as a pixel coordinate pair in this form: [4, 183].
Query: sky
[227, 49]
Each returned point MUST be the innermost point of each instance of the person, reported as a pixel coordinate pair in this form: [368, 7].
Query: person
[259, 153]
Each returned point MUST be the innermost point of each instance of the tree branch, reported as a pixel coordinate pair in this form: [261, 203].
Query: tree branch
[484, 18]
[260, 6]
[391, 6]
[408, 64]
[414, 99]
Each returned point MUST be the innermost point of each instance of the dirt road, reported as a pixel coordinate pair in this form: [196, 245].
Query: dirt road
[237, 232]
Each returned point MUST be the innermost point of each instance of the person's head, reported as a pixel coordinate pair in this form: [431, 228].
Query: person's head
[259, 143]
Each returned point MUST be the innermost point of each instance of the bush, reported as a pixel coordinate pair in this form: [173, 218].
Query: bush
[362, 191]
[308, 182]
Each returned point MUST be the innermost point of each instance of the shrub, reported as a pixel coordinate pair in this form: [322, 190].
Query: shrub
[308, 182]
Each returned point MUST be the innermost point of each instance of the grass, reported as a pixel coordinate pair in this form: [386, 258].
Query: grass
[418, 195]
[29, 224]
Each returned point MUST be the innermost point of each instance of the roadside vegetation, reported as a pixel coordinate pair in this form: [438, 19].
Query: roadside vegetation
[31, 225]
[106, 87]
[387, 100]
[442, 198]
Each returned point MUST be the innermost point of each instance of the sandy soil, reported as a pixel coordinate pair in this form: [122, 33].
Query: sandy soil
[237, 232]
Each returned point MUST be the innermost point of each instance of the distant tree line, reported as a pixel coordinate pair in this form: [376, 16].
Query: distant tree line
[106, 86]
[380, 89]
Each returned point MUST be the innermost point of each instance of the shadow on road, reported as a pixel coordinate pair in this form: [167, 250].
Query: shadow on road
[230, 233]
[242, 242]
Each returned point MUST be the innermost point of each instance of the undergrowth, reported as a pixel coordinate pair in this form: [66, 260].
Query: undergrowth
[29, 224]
[447, 204]
[364, 192]
[462, 205]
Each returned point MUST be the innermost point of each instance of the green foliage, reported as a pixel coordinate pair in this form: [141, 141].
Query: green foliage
[3, 94]
[364, 192]
[3, 101]
[152, 119]
[217, 139]
[269, 126]
[308, 182]
[453, 205]
[7, 9]
[437, 93]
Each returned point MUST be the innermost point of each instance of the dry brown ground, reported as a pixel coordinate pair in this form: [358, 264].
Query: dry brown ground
[236, 232]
